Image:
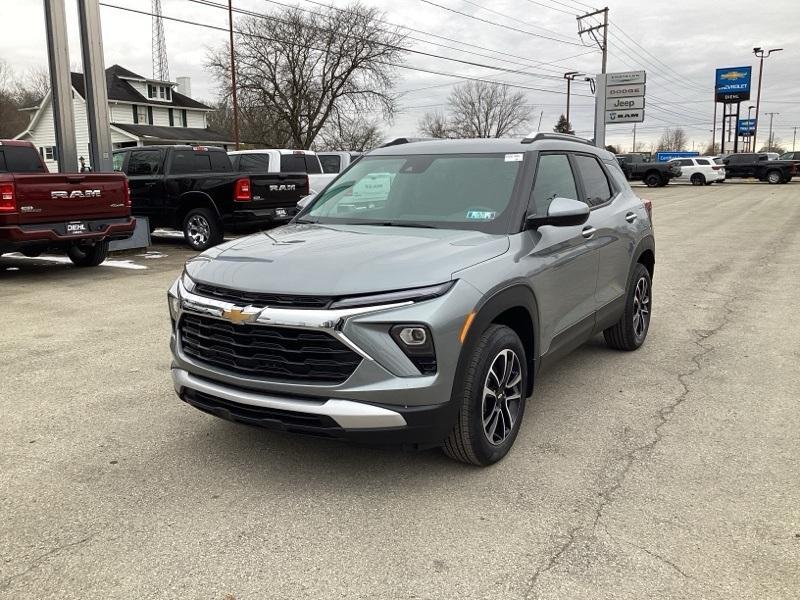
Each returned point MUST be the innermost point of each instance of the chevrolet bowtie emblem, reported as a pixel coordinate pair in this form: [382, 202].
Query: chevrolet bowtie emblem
[239, 315]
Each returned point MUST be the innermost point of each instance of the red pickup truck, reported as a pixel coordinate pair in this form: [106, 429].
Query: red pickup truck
[74, 212]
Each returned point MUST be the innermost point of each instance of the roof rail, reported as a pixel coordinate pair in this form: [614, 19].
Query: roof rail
[543, 135]
[404, 140]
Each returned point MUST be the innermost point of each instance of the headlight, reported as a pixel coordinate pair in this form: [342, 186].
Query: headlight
[412, 295]
[187, 282]
[174, 306]
[416, 343]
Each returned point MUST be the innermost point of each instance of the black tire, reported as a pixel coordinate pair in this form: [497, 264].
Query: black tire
[698, 179]
[774, 176]
[652, 180]
[31, 253]
[201, 229]
[88, 256]
[629, 333]
[469, 441]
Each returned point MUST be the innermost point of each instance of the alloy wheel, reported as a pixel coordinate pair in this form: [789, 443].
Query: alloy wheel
[198, 230]
[641, 307]
[502, 397]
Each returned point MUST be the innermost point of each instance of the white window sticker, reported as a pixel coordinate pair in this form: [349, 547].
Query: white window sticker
[514, 157]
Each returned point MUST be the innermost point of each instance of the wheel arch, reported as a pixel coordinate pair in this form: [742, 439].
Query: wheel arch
[645, 254]
[190, 200]
[514, 306]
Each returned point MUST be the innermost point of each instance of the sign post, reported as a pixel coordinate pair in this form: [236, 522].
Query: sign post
[619, 99]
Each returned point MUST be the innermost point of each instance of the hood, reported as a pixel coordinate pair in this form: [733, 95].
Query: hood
[337, 260]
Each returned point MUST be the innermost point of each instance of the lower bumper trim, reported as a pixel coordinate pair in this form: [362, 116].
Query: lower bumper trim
[346, 413]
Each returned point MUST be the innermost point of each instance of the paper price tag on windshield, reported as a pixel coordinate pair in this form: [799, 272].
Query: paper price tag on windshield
[514, 157]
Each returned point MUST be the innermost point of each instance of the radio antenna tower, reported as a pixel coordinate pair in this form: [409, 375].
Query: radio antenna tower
[160, 66]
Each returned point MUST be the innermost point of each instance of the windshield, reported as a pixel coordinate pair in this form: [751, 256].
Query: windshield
[464, 191]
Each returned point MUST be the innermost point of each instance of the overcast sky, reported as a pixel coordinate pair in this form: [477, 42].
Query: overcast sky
[679, 43]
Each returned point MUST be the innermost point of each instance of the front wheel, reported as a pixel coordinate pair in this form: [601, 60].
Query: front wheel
[492, 398]
[88, 256]
[631, 330]
[201, 229]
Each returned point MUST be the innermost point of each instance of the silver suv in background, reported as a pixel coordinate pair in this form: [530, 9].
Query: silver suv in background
[416, 298]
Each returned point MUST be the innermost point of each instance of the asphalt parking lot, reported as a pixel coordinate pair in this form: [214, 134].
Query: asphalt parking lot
[671, 472]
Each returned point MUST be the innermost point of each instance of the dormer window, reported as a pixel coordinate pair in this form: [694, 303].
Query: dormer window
[159, 92]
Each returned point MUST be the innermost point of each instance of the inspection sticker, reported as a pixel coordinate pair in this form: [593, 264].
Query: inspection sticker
[514, 157]
[481, 215]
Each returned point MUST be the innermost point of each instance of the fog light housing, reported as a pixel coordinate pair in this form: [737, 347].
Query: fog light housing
[416, 342]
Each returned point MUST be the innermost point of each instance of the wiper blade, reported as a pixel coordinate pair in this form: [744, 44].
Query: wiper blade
[395, 224]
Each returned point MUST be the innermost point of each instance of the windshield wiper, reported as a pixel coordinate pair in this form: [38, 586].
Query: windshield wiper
[395, 224]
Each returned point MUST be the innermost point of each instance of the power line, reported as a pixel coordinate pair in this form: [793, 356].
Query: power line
[496, 24]
[290, 42]
[392, 46]
[505, 16]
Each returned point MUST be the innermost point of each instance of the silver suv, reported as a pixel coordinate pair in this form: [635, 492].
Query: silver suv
[416, 298]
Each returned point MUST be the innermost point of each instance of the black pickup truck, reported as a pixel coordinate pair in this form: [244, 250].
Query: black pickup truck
[748, 165]
[195, 189]
[640, 167]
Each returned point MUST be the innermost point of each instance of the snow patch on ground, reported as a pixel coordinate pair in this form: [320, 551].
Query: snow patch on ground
[119, 264]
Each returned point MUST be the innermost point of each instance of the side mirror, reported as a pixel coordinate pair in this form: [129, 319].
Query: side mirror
[562, 212]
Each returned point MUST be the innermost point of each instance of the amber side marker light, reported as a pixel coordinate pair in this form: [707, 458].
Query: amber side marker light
[465, 327]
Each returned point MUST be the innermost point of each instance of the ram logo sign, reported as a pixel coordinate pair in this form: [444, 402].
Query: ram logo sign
[63, 195]
[283, 187]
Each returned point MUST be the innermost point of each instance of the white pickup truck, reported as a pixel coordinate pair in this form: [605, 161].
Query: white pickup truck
[283, 161]
[336, 162]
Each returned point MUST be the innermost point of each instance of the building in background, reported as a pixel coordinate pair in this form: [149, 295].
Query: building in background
[143, 111]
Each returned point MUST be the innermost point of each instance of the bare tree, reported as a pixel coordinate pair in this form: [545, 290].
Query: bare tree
[486, 110]
[773, 144]
[356, 134]
[710, 150]
[303, 69]
[672, 139]
[436, 125]
[18, 92]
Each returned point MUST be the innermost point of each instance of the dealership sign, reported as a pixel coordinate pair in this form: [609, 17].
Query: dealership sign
[624, 97]
[733, 84]
[746, 127]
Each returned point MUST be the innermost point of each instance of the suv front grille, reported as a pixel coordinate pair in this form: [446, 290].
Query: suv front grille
[243, 298]
[265, 352]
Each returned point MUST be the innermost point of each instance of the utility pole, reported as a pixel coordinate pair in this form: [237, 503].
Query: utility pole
[794, 138]
[761, 54]
[770, 140]
[233, 78]
[541, 114]
[634, 138]
[594, 31]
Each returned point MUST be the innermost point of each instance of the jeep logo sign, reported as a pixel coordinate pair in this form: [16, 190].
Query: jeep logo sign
[61, 195]
[284, 187]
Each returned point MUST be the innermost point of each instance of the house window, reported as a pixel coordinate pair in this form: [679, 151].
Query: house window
[140, 114]
[48, 152]
[171, 117]
[159, 92]
[151, 90]
[150, 115]
[183, 118]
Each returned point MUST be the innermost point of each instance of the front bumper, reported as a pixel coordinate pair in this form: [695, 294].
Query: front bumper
[384, 401]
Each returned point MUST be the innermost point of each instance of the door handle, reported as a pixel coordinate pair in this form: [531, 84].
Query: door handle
[588, 231]
[630, 217]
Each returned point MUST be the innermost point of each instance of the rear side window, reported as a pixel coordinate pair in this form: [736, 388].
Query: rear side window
[330, 163]
[554, 179]
[252, 163]
[220, 162]
[117, 160]
[703, 161]
[144, 162]
[293, 163]
[595, 182]
[191, 161]
[20, 159]
[312, 164]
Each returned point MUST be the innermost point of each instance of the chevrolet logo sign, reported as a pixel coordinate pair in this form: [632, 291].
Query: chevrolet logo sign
[238, 316]
[733, 75]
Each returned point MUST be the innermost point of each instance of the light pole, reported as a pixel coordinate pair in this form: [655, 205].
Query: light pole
[749, 130]
[569, 76]
[762, 54]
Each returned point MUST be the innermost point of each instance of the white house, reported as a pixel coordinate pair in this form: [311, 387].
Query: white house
[142, 111]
